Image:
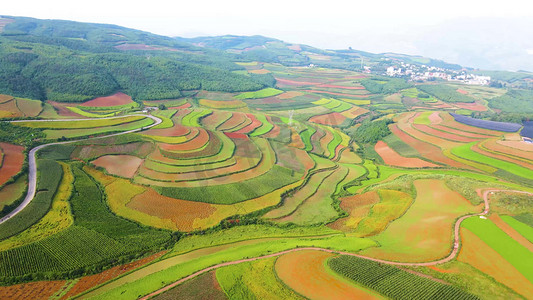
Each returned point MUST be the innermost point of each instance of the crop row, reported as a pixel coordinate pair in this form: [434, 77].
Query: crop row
[97, 238]
[49, 177]
[492, 125]
[393, 282]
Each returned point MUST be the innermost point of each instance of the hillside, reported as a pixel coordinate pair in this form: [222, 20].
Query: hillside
[136, 166]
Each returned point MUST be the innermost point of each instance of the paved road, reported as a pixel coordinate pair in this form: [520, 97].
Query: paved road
[452, 255]
[32, 177]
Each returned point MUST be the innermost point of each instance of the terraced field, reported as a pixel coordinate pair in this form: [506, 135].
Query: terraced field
[268, 194]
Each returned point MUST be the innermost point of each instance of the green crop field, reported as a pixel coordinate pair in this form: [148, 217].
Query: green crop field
[261, 146]
[512, 251]
[394, 282]
[466, 153]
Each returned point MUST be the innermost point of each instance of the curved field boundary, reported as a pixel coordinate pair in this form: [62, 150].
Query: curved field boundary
[264, 128]
[495, 148]
[32, 166]
[448, 258]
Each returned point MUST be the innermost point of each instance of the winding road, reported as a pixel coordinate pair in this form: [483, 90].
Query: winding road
[448, 258]
[32, 166]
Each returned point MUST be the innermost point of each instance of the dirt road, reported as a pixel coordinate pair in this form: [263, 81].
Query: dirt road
[32, 176]
[452, 255]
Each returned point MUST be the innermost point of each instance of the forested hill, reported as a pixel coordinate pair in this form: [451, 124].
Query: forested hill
[72, 61]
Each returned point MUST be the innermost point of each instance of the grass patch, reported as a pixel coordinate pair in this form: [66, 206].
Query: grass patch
[268, 92]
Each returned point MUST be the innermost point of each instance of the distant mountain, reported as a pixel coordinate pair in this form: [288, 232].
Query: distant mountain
[273, 50]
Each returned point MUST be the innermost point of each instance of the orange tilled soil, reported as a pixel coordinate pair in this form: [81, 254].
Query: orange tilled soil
[13, 160]
[482, 257]
[391, 157]
[306, 273]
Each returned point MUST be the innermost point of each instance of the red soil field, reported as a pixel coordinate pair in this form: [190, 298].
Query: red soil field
[479, 255]
[331, 119]
[407, 127]
[31, 290]
[444, 135]
[341, 87]
[91, 281]
[236, 135]
[176, 130]
[471, 106]
[113, 100]
[12, 163]
[216, 118]
[120, 165]
[250, 127]
[519, 162]
[180, 212]
[296, 140]
[295, 83]
[494, 145]
[337, 94]
[5, 98]
[211, 148]
[391, 157]
[356, 77]
[354, 112]
[235, 120]
[357, 207]
[91, 151]
[450, 122]
[192, 144]
[290, 94]
[269, 100]
[9, 109]
[315, 140]
[462, 92]
[295, 47]
[427, 150]
[29, 108]
[521, 145]
[435, 118]
[186, 105]
[260, 71]
[62, 109]
[306, 273]
[460, 132]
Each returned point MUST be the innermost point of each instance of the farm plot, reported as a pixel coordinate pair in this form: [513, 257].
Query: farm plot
[511, 250]
[357, 207]
[119, 165]
[11, 193]
[17, 107]
[98, 237]
[306, 272]
[318, 207]
[116, 100]
[268, 92]
[466, 152]
[58, 218]
[222, 104]
[392, 205]
[13, 159]
[79, 124]
[481, 256]
[49, 174]
[393, 282]
[425, 231]
[253, 280]
[89, 152]
[391, 157]
[32, 290]
[491, 125]
[204, 286]
[74, 133]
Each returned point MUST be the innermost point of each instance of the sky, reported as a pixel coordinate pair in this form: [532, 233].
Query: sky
[375, 26]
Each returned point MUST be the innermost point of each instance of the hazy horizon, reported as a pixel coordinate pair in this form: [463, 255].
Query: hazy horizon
[410, 27]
